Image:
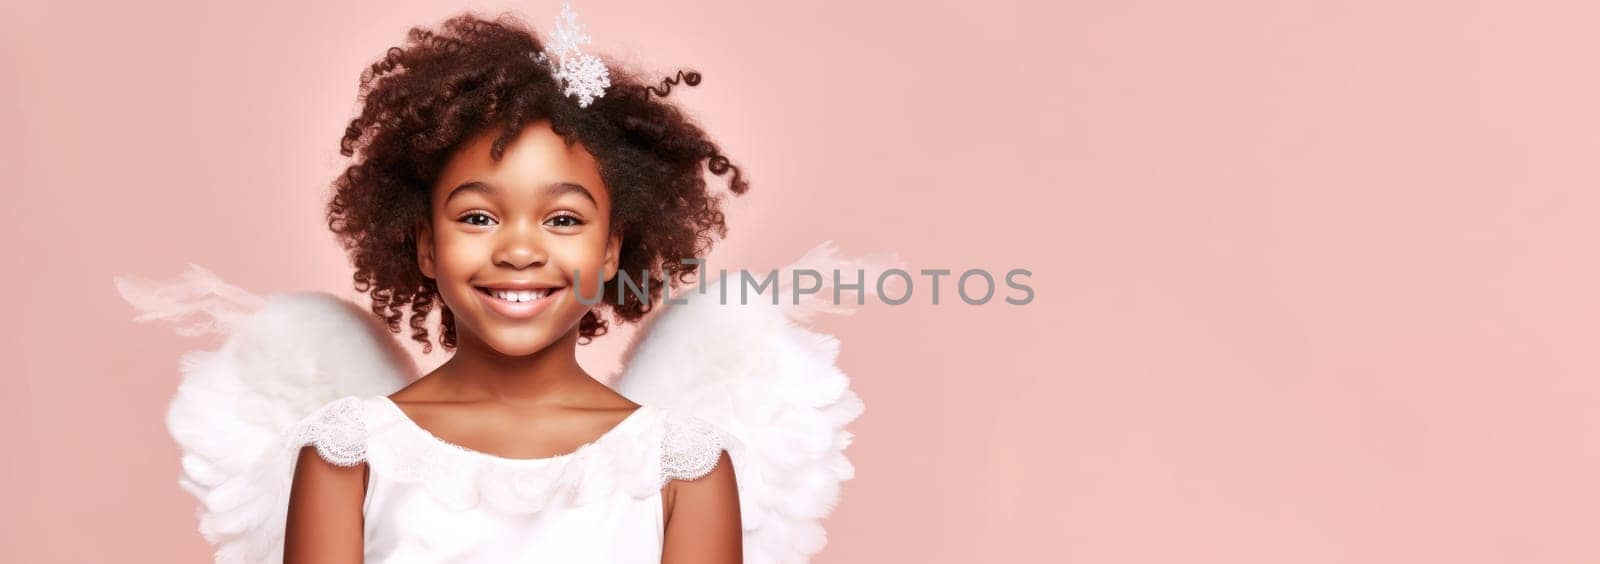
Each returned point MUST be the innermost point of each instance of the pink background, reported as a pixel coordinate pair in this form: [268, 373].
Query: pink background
[1315, 282]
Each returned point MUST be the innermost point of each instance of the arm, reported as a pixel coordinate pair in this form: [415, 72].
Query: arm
[325, 519]
[703, 519]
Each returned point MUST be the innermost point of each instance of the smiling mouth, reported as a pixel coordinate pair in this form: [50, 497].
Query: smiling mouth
[516, 296]
[518, 304]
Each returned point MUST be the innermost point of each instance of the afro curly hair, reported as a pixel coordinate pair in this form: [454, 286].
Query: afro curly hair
[442, 86]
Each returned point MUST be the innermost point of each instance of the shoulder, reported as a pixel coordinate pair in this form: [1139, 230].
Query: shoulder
[691, 447]
[337, 430]
[700, 490]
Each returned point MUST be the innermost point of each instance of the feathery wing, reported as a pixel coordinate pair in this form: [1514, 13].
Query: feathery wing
[754, 371]
[282, 356]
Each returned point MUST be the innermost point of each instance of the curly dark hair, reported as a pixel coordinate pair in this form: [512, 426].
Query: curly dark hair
[442, 86]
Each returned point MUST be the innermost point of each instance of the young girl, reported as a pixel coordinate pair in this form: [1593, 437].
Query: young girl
[480, 187]
[524, 188]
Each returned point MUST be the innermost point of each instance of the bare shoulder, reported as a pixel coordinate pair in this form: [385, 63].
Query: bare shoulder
[599, 396]
[424, 389]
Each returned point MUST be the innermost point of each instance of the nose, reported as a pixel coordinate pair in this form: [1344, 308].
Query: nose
[519, 247]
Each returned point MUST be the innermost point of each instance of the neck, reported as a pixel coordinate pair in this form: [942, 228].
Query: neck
[549, 376]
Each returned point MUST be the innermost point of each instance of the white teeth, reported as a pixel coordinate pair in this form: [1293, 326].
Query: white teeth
[519, 295]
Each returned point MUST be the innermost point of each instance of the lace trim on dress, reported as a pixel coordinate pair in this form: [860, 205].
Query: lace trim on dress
[337, 430]
[690, 449]
[638, 456]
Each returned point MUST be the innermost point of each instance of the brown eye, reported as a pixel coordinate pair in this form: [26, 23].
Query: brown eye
[478, 219]
[564, 220]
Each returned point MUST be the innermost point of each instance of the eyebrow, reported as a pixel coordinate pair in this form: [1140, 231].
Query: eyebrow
[554, 189]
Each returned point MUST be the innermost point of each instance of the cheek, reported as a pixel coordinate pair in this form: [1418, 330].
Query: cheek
[457, 258]
[583, 264]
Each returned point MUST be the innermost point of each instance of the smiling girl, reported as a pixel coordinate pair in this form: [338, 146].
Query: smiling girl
[514, 186]
[480, 187]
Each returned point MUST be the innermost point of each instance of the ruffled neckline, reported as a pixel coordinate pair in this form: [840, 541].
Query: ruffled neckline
[637, 456]
[399, 415]
[624, 459]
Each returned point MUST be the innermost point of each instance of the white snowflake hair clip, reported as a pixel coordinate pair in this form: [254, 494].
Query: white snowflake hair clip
[583, 75]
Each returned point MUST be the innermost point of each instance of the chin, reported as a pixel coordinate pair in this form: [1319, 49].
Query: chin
[521, 343]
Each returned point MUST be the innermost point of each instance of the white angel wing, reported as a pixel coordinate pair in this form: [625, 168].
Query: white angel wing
[753, 371]
[283, 356]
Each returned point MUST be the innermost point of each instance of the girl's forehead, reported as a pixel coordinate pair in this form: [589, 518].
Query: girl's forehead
[536, 158]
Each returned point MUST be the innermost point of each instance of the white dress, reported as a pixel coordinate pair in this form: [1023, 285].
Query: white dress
[428, 500]
[312, 368]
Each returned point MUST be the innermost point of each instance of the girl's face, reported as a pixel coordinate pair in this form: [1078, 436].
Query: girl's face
[510, 241]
